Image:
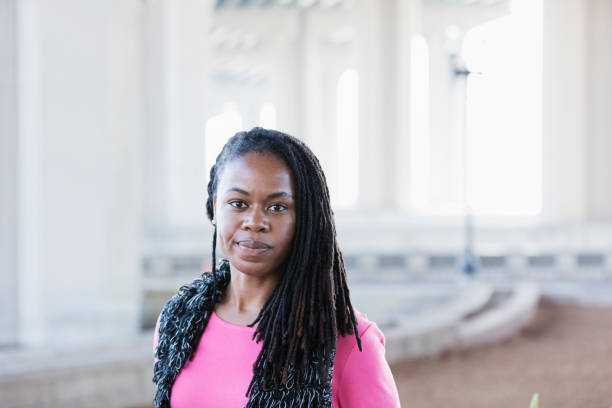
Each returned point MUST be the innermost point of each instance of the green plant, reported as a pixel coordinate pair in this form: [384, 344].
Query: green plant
[534, 401]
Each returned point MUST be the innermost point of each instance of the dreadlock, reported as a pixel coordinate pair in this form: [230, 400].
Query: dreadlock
[311, 305]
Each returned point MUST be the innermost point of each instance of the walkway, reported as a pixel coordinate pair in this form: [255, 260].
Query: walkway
[565, 355]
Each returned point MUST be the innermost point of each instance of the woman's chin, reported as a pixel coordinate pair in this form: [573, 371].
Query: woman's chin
[250, 267]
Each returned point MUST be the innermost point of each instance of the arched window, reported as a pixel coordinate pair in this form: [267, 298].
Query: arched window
[267, 116]
[503, 113]
[347, 142]
[219, 129]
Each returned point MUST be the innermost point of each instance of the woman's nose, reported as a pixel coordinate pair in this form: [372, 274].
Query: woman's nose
[255, 221]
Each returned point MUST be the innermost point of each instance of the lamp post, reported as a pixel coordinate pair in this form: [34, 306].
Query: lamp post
[454, 36]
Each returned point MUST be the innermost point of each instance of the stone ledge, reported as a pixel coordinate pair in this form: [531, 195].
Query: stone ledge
[453, 328]
[435, 331]
[118, 375]
[500, 322]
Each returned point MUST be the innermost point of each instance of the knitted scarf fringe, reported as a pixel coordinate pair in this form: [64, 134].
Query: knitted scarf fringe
[182, 322]
[311, 393]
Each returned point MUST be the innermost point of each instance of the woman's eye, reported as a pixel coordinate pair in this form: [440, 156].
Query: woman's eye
[237, 204]
[277, 207]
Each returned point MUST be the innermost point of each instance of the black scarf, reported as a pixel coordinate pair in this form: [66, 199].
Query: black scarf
[182, 322]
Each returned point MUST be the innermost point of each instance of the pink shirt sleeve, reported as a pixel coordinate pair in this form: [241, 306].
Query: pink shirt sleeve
[367, 380]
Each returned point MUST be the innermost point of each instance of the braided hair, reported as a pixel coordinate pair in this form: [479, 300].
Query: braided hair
[304, 314]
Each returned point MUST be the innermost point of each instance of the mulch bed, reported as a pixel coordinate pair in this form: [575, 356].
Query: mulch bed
[565, 355]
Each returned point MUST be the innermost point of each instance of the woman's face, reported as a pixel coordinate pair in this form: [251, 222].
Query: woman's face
[255, 213]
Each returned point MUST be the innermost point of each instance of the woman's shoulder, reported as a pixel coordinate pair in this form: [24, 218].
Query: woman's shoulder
[369, 334]
[363, 378]
[365, 326]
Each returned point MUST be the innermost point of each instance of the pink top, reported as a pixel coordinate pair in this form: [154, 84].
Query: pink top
[221, 370]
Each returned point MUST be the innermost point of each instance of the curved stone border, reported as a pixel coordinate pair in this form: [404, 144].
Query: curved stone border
[503, 321]
[435, 331]
[448, 328]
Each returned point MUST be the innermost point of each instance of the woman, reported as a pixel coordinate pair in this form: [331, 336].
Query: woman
[273, 325]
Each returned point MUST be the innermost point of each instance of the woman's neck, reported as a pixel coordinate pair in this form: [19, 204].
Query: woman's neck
[244, 297]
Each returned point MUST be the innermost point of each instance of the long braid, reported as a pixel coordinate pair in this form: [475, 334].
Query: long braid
[311, 305]
[212, 186]
[214, 261]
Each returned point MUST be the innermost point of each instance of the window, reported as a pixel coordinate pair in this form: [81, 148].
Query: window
[267, 116]
[494, 166]
[503, 113]
[219, 129]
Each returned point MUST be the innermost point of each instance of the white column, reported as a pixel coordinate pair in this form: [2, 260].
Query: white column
[155, 164]
[384, 30]
[409, 17]
[29, 174]
[8, 173]
[388, 135]
[314, 93]
[563, 109]
[79, 165]
[288, 77]
[599, 109]
[371, 70]
[185, 79]
[320, 101]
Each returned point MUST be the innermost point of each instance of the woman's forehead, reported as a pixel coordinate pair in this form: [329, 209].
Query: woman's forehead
[257, 171]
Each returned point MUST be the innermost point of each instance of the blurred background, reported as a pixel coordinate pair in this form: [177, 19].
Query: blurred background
[466, 144]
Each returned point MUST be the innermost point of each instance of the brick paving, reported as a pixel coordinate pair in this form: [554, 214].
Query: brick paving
[565, 355]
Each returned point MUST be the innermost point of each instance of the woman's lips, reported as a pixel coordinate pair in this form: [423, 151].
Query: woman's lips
[253, 248]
